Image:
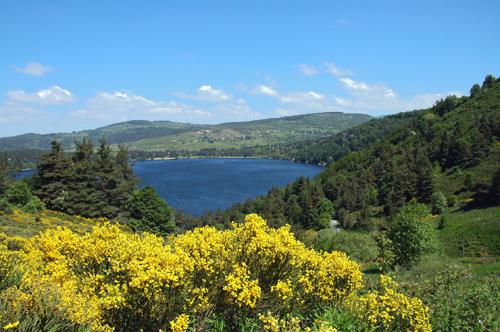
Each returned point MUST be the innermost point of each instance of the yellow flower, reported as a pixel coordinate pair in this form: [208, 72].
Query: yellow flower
[11, 326]
[180, 323]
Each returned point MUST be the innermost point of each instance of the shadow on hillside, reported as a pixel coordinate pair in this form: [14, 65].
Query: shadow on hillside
[482, 200]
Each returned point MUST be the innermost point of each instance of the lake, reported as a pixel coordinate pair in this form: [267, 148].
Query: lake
[198, 185]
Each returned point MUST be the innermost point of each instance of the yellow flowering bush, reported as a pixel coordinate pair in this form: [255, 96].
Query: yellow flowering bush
[111, 280]
[390, 310]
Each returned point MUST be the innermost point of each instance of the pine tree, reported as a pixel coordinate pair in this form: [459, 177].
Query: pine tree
[106, 186]
[5, 174]
[51, 183]
[125, 177]
[82, 181]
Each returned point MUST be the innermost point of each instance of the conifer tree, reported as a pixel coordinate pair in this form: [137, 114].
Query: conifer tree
[125, 177]
[51, 183]
[106, 184]
[82, 181]
[5, 174]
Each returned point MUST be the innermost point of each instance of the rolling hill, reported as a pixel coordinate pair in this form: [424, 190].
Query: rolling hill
[167, 135]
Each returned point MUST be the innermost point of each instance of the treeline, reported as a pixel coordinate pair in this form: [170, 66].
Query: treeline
[87, 182]
[90, 182]
[451, 147]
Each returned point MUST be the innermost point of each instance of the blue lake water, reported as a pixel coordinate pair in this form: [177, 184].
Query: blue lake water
[199, 185]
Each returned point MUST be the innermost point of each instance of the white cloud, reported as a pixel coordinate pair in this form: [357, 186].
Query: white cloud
[332, 69]
[209, 93]
[354, 85]
[368, 97]
[52, 96]
[34, 69]
[342, 101]
[301, 97]
[265, 90]
[124, 105]
[206, 92]
[307, 70]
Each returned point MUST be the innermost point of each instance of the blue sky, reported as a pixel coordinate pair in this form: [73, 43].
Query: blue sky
[72, 65]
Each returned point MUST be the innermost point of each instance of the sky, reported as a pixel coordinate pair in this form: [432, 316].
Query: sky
[74, 65]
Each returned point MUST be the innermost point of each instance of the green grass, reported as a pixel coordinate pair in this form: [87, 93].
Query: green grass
[476, 231]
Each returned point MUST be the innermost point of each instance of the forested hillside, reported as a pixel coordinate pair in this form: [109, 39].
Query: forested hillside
[450, 148]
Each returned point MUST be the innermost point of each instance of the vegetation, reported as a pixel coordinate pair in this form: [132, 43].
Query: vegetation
[110, 279]
[87, 184]
[431, 153]
[170, 139]
[418, 248]
[149, 212]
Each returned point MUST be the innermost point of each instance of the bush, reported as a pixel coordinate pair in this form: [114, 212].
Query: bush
[5, 206]
[34, 205]
[391, 310]
[438, 202]
[18, 194]
[357, 245]
[453, 201]
[459, 300]
[112, 279]
[442, 222]
[250, 277]
[412, 234]
[149, 212]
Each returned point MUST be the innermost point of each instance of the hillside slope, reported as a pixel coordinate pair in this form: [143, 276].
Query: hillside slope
[163, 135]
[452, 147]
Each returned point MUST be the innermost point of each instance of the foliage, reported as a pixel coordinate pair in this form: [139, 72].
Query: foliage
[6, 170]
[391, 310]
[169, 139]
[5, 206]
[18, 194]
[398, 159]
[357, 245]
[412, 234]
[458, 300]
[110, 279]
[149, 212]
[88, 184]
[438, 202]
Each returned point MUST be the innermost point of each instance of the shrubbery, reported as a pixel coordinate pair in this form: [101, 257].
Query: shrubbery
[357, 245]
[113, 280]
[411, 235]
[149, 212]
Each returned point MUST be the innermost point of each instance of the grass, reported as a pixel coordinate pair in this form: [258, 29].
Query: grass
[25, 225]
[473, 233]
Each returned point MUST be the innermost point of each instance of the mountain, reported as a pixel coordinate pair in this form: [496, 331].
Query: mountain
[166, 135]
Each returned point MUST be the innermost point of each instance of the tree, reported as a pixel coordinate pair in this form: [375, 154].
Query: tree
[438, 202]
[443, 106]
[411, 235]
[5, 174]
[326, 210]
[18, 194]
[126, 180]
[82, 181]
[51, 183]
[106, 184]
[489, 80]
[149, 212]
[475, 90]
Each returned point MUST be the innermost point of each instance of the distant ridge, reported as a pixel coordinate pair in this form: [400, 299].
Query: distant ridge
[160, 135]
